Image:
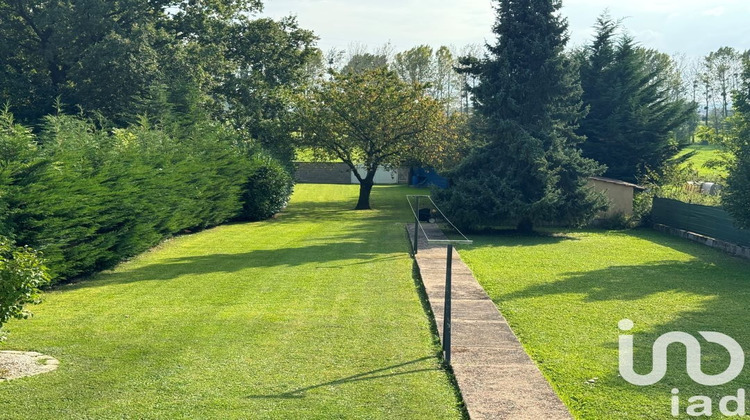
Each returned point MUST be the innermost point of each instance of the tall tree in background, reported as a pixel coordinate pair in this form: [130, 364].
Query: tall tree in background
[415, 65]
[124, 58]
[422, 65]
[363, 62]
[467, 78]
[633, 110]
[529, 169]
[267, 64]
[96, 54]
[721, 71]
[736, 197]
[445, 86]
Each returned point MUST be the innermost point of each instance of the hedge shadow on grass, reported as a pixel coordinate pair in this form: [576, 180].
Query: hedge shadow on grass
[360, 244]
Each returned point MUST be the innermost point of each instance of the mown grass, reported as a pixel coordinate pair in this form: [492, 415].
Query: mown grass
[705, 153]
[564, 295]
[311, 315]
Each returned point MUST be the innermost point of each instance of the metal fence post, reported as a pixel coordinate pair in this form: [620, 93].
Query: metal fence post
[447, 306]
[416, 227]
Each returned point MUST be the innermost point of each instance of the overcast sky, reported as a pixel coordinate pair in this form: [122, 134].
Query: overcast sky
[692, 27]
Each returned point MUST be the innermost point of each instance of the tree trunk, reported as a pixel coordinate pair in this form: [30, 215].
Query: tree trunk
[525, 225]
[365, 187]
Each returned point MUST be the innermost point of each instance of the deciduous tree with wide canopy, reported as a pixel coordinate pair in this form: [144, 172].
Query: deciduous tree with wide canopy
[372, 119]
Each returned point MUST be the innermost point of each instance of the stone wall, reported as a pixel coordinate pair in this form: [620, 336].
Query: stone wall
[734, 249]
[339, 173]
[323, 173]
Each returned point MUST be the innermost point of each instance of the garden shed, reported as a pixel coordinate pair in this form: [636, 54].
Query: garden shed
[619, 193]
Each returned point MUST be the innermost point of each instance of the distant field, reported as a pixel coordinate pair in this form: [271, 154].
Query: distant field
[705, 154]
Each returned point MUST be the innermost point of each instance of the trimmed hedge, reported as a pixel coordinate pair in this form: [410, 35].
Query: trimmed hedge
[267, 190]
[88, 198]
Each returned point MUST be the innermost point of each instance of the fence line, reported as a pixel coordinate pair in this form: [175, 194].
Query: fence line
[713, 222]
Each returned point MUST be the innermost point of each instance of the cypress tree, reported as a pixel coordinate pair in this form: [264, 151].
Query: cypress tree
[527, 168]
[632, 112]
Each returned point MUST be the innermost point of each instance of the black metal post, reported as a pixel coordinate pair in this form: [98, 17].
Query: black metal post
[447, 306]
[416, 227]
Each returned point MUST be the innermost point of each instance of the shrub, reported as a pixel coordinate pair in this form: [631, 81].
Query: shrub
[616, 221]
[106, 195]
[267, 190]
[21, 276]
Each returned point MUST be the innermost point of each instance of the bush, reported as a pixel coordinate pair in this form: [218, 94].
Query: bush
[267, 190]
[21, 276]
[617, 221]
[675, 183]
[100, 196]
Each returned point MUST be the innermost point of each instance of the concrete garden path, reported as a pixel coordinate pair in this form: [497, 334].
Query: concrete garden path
[497, 378]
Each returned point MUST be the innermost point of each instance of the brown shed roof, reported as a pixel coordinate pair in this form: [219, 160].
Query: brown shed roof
[618, 182]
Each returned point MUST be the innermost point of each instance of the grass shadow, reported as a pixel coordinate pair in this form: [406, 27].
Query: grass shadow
[365, 376]
[704, 290]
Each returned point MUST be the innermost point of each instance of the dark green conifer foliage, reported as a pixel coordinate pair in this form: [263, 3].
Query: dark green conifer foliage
[632, 113]
[736, 197]
[527, 168]
[87, 198]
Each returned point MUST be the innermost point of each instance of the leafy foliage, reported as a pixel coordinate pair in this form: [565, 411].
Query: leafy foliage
[127, 58]
[267, 191]
[370, 118]
[365, 61]
[415, 65]
[21, 276]
[527, 168]
[677, 182]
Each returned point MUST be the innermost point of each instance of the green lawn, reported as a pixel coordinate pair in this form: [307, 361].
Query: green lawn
[564, 295]
[704, 154]
[312, 315]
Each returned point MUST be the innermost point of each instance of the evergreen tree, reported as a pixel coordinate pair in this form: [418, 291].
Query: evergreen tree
[736, 198]
[632, 111]
[528, 168]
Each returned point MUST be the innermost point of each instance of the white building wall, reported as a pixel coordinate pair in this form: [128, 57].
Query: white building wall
[382, 176]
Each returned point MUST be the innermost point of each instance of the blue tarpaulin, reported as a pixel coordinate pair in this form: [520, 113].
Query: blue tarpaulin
[425, 177]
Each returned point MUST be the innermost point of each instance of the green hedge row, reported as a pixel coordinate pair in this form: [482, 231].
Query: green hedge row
[87, 198]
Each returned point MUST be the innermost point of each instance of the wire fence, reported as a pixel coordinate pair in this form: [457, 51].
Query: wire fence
[425, 210]
[438, 232]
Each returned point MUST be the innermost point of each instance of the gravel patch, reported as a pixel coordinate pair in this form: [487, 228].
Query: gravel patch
[18, 364]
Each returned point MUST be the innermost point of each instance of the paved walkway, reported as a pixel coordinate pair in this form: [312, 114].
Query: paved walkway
[497, 378]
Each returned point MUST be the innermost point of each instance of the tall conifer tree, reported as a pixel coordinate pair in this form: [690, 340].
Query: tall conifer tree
[632, 113]
[528, 168]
